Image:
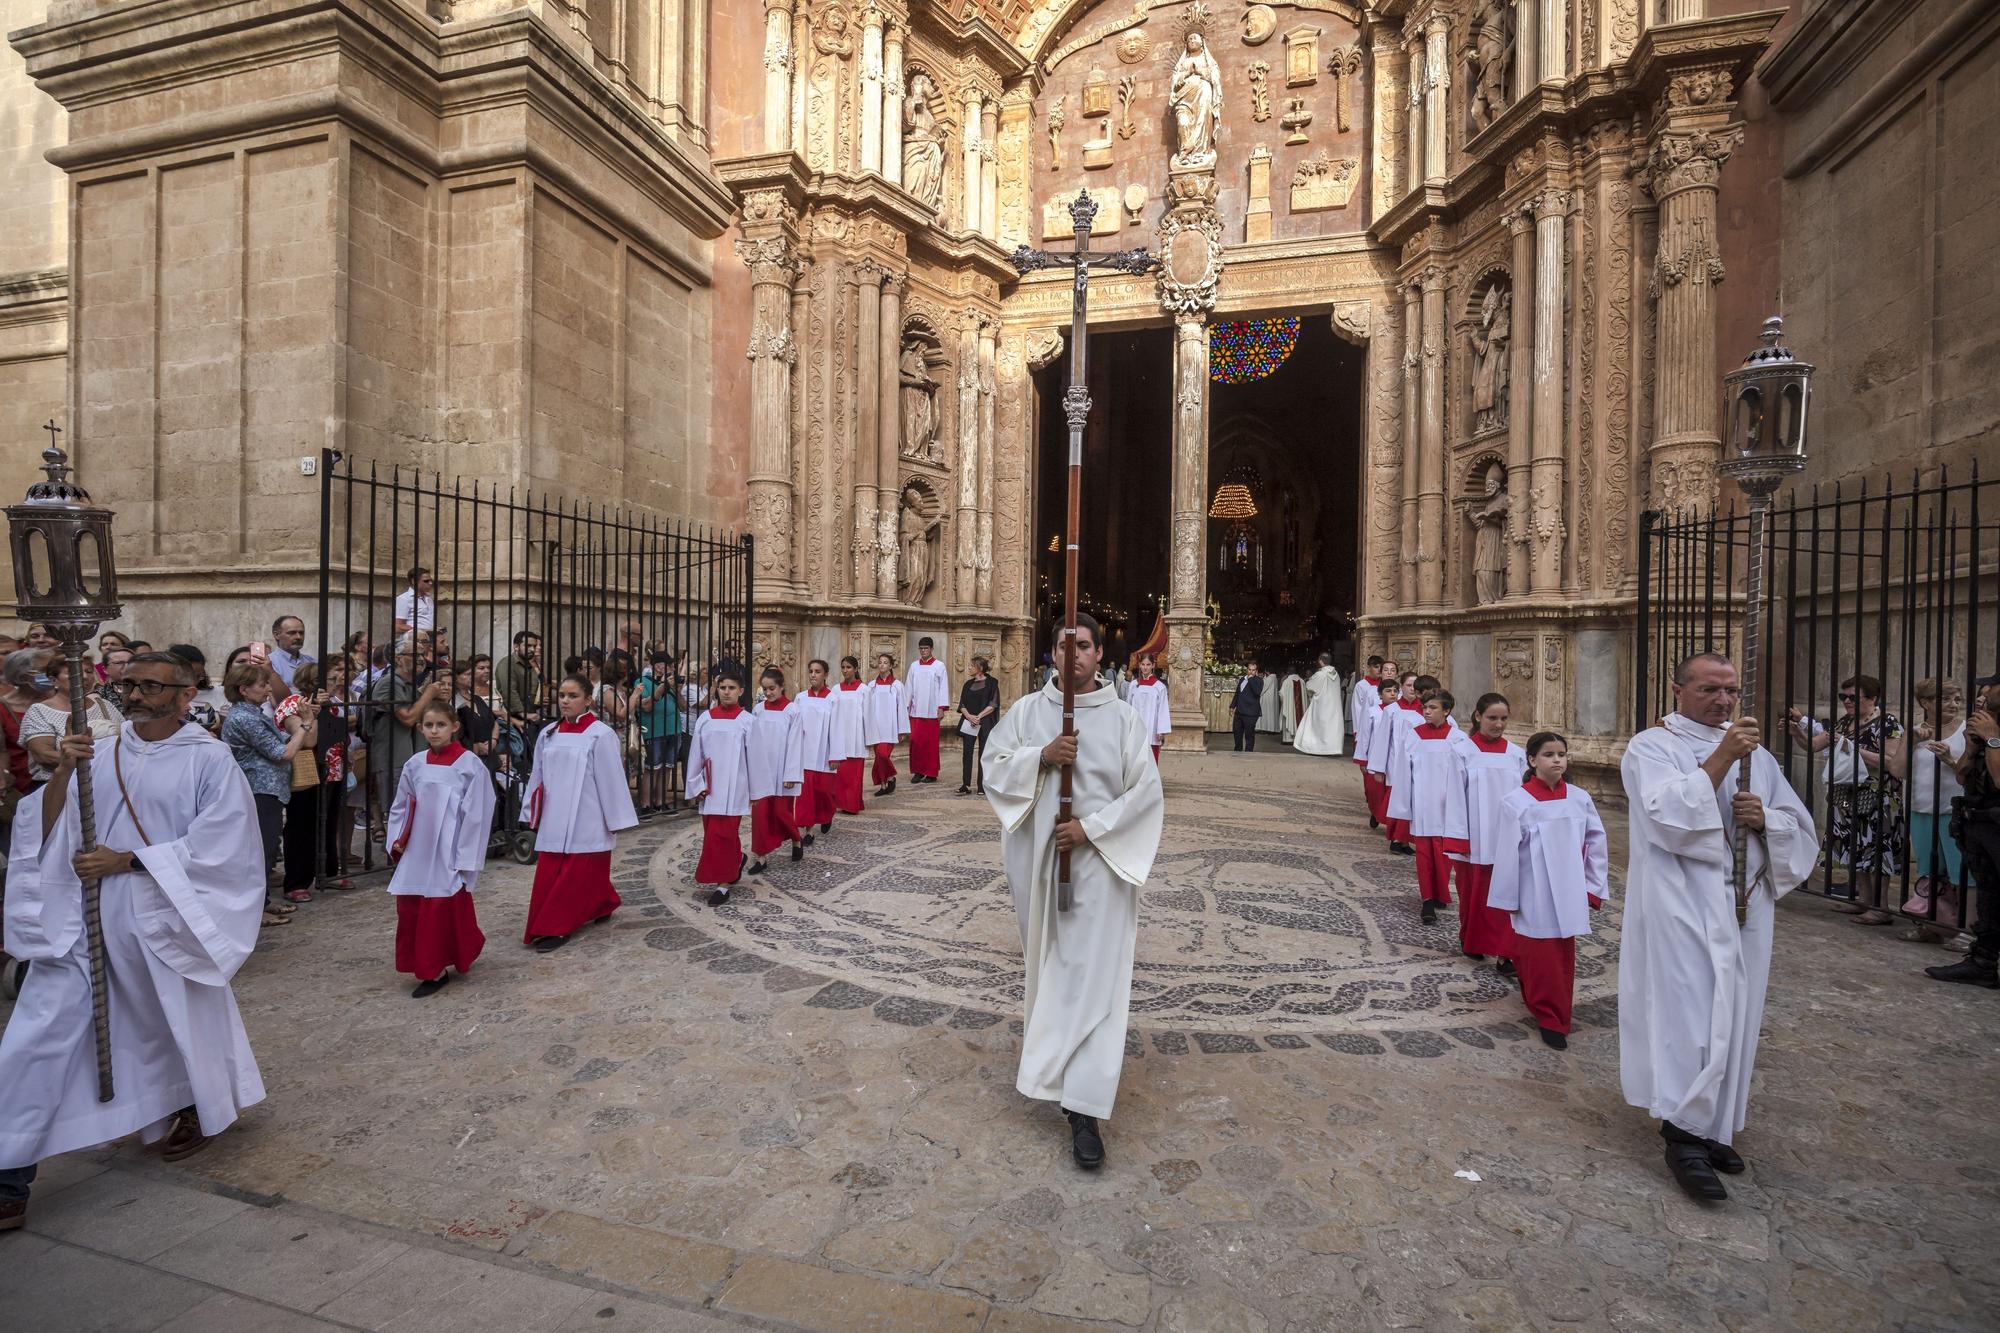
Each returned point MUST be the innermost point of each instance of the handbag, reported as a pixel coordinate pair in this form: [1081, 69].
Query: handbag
[1843, 765]
[1918, 904]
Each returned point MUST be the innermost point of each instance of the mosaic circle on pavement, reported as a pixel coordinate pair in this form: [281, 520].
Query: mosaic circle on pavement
[1266, 913]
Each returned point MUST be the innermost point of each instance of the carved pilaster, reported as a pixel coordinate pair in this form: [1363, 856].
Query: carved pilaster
[892, 104]
[1412, 365]
[867, 357]
[1189, 491]
[968, 457]
[1520, 423]
[973, 185]
[769, 249]
[1387, 128]
[888, 547]
[1430, 476]
[872, 20]
[1545, 488]
[1437, 85]
[988, 389]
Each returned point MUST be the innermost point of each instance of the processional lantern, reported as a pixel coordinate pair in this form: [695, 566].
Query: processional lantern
[1764, 410]
[65, 578]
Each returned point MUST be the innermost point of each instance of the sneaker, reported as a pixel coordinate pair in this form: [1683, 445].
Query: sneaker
[1971, 970]
[1959, 943]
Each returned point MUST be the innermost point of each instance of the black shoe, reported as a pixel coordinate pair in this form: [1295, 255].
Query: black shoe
[889, 788]
[550, 943]
[1430, 912]
[1475, 957]
[827, 827]
[809, 839]
[964, 790]
[426, 989]
[717, 897]
[601, 920]
[645, 813]
[1085, 1143]
[1554, 1040]
[757, 869]
[1969, 970]
[1687, 1158]
[1403, 848]
[1723, 1157]
[1505, 967]
[798, 851]
[1373, 822]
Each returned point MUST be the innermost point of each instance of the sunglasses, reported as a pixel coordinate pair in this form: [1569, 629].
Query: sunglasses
[1848, 696]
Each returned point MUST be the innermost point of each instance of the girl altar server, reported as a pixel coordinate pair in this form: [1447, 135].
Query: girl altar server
[438, 829]
[1431, 788]
[577, 801]
[777, 771]
[718, 779]
[888, 719]
[1549, 871]
[815, 709]
[1148, 697]
[844, 744]
[1492, 766]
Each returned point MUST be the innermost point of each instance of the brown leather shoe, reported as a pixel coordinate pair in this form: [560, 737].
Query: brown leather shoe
[13, 1213]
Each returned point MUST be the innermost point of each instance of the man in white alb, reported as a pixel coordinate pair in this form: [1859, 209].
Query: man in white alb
[1320, 728]
[1692, 979]
[1078, 963]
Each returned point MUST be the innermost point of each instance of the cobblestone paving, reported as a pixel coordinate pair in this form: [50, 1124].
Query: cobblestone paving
[762, 1124]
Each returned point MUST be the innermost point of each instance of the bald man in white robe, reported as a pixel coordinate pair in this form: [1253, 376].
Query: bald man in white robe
[1078, 963]
[1691, 981]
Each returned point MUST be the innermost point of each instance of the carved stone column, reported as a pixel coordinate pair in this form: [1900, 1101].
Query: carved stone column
[1527, 53]
[1437, 83]
[1685, 167]
[1545, 517]
[974, 183]
[892, 104]
[968, 458]
[802, 524]
[888, 453]
[1391, 67]
[801, 75]
[1413, 336]
[867, 425]
[988, 388]
[1521, 405]
[772, 259]
[989, 169]
[1413, 137]
[1552, 42]
[1683, 11]
[1430, 476]
[778, 75]
[872, 20]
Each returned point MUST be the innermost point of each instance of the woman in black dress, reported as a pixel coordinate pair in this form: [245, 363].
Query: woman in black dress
[979, 709]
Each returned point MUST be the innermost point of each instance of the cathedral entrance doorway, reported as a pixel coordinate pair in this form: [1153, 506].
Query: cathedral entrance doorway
[1284, 490]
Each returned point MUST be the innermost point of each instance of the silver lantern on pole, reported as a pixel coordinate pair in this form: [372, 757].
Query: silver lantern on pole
[1764, 410]
[64, 578]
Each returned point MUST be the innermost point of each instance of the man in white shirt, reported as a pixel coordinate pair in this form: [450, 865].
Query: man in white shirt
[416, 606]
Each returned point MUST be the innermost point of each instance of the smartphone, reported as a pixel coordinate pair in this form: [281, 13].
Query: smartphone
[259, 651]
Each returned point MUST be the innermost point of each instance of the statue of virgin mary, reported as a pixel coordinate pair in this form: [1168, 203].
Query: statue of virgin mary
[1196, 97]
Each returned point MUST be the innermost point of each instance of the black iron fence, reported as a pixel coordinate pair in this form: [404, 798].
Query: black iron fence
[421, 576]
[1895, 587]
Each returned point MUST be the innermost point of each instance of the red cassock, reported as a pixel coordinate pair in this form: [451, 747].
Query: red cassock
[885, 763]
[571, 888]
[1434, 867]
[923, 747]
[721, 850]
[1481, 929]
[847, 787]
[433, 934]
[578, 801]
[773, 823]
[815, 799]
[1378, 796]
[1547, 969]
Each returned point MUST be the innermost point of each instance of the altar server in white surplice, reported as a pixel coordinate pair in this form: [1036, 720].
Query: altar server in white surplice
[885, 720]
[817, 761]
[1079, 962]
[1148, 697]
[182, 898]
[1364, 701]
[1691, 981]
[437, 832]
[1325, 714]
[777, 771]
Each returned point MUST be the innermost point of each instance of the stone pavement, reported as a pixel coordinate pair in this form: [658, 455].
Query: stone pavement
[798, 1109]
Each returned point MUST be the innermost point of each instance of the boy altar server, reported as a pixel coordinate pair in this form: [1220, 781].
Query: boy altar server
[1407, 716]
[1492, 766]
[815, 710]
[929, 687]
[845, 746]
[1691, 979]
[438, 830]
[1078, 963]
[1148, 698]
[1375, 756]
[1549, 871]
[885, 706]
[777, 771]
[1428, 792]
[718, 777]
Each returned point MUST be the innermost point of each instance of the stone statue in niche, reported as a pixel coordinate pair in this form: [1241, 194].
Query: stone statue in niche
[1195, 94]
[1489, 545]
[1491, 339]
[923, 144]
[919, 393]
[916, 532]
[1489, 47]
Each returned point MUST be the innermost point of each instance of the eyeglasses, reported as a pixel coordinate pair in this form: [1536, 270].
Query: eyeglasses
[152, 686]
[1847, 696]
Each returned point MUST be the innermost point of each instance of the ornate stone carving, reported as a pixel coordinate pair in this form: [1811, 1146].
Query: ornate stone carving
[1257, 214]
[771, 529]
[1488, 56]
[1096, 93]
[1489, 546]
[1351, 322]
[887, 556]
[1259, 22]
[918, 527]
[1057, 222]
[1134, 199]
[770, 259]
[1132, 48]
[1698, 87]
[1191, 260]
[923, 144]
[1043, 347]
[1302, 56]
[1681, 161]
[1344, 65]
[1260, 91]
[1056, 118]
[1195, 94]
[1492, 348]
[1322, 183]
[1187, 557]
[918, 393]
[833, 31]
[1128, 88]
[1514, 659]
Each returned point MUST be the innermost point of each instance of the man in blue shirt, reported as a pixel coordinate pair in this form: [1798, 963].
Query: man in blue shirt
[288, 639]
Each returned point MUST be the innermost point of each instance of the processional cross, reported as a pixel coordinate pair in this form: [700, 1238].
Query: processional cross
[1076, 407]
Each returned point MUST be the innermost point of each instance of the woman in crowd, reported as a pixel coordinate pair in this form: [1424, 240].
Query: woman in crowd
[1932, 775]
[26, 685]
[43, 725]
[265, 756]
[978, 711]
[473, 706]
[1864, 801]
[577, 802]
[106, 641]
[337, 802]
[302, 810]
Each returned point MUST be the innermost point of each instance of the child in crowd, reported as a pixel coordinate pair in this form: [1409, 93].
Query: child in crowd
[1148, 697]
[1431, 790]
[1549, 870]
[1491, 766]
[888, 718]
[777, 770]
[438, 830]
[719, 779]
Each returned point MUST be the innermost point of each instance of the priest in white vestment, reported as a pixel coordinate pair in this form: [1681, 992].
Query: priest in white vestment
[1271, 705]
[1691, 980]
[183, 894]
[1079, 962]
[1320, 729]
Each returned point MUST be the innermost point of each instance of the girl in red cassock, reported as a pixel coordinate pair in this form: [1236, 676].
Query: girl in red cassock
[437, 831]
[577, 801]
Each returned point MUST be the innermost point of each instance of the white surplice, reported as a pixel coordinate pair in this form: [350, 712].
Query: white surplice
[1489, 776]
[718, 766]
[1691, 982]
[443, 815]
[885, 712]
[928, 687]
[1291, 703]
[1271, 710]
[1379, 733]
[1320, 729]
[1364, 703]
[1552, 857]
[1403, 724]
[174, 936]
[570, 766]
[844, 738]
[777, 750]
[815, 730]
[1429, 785]
[1148, 698]
[1078, 963]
